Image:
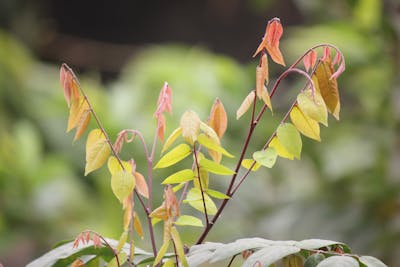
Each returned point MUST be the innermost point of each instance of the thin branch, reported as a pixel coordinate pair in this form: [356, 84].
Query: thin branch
[200, 184]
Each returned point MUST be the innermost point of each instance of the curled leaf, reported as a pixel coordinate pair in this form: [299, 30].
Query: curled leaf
[246, 104]
[69, 84]
[328, 87]
[310, 59]
[218, 119]
[272, 36]
[97, 151]
[141, 185]
[262, 75]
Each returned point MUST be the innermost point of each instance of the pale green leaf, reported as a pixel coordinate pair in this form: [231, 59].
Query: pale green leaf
[266, 157]
[214, 167]
[195, 200]
[171, 139]
[370, 261]
[179, 246]
[161, 253]
[187, 220]
[338, 261]
[290, 138]
[122, 257]
[247, 163]
[175, 155]
[210, 144]
[122, 184]
[114, 166]
[97, 151]
[178, 187]
[280, 149]
[314, 260]
[313, 105]
[216, 194]
[179, 177]
[122, 240]
[169, 263]
[305, 124]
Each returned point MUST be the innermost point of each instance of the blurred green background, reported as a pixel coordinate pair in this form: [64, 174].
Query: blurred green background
[347, 188]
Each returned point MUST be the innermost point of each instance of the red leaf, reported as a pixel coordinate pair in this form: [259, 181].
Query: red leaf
[69, 83]
[218, 119]
[310, 59]
[161, 127]
[273, 34]
[327, 54]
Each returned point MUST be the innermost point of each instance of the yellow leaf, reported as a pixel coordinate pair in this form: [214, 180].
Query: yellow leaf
[262, 75]
[195, 200]
[187, 220]
[122, 240]
[305, 124]
[247, 163]
[77, 263]
[173, 136]
[114, 166]
[127, 217]
[160, 213]
[122, 184]
[141, 185]
[265, 97]
[218, 118]
[161, 253]
[328, 87]
[175, 155]
[78, 108]
[97, 151]
[280, 149]
[179, 246]
[137, 226]
[212, 145]
[82, 124]
[190, 124]
[214, 167]
[246, 104]
[122, 257]
[313, 105]
[169, 263]
[204, 178]
[179, 177]
[290, 138]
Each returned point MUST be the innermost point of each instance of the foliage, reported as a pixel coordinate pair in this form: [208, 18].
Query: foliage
[318, 96]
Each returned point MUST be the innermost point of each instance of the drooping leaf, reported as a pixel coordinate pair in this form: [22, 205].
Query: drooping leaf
[216, 194]
[170, 140]
[266, 98]
[211, 144]
[187, 220]
[262, 78]
[273, 34]
[141, 185]
[160, 213]
[328, 87]
[204, 178]
[179, 246]
[190, 124]
[218, 119]
[195, 200]
[79, 108]
[114, 166]
[179, 177]
[127, 215]
[313, 105]
[266, 157]
[122, 257]
[247, 163]
[97, 151]
[122, 240]
[370, 261]
[161, 125]
[290, 139]
[338, 261]
[138, 226]
[122, 184]
[82, 125]
[69, 84]
[280, 149]
[214, 167]
[246, 104]
[310, 59]
[314, 259]
[161, 252]
[178, 187]
[175, 155]
[305, 124]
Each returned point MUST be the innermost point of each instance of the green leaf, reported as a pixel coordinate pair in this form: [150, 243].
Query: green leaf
[305, 124]
[179, 246]
[371, 261]
[215, 167]
[178, 187]
[266, 157]
[314, 259]
[195, 200]
[338, 261]
[161, 252]
[247, 163]
[187, 220]
[175, 155]
[179, 177]
[207, 142]
[313, 106]
[171, 139]
[97, 151]
[122, 257]
[122, 240]
[169, 263]
[122, 184]
[290, 139]
[270, 254]
[216, 194]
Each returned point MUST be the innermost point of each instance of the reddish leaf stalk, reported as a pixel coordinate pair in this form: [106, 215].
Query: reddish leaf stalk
[201, 186]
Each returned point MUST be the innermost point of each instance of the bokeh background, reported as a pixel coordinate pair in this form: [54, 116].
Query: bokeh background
[346, 188]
